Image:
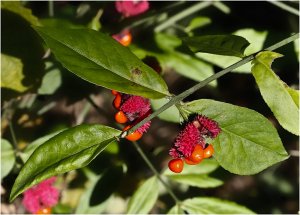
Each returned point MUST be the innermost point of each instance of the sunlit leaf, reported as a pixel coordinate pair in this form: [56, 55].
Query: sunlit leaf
[282, 100]
[16, 7]
[12, 73]
[170, 115]
[248, 142]
[207, 205]
[196, 180]
[7, 158]
[71, 149]
[99, 59]
[51, 80]
[198, 22]
[144, 197]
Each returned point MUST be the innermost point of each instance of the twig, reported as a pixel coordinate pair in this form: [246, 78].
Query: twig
[172, 20]
[50, 8]
[196, 87]
[285, 7]
[143, 155]
[294, 153]
[13, 135]
[169, 190]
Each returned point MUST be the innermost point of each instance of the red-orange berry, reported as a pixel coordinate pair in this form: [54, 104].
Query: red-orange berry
[197, 154]
[134, 136]
[120, 117]
[126, 39]
[114, 92]
[44, 211]
[189, 162]
[117, 101]
[208, 151]
[176, 165]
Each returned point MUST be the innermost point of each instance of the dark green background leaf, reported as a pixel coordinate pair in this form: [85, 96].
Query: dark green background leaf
[248, 142]
[101, 60]
[230, 45]
[71, 149]
[256, 39]
[282, 100]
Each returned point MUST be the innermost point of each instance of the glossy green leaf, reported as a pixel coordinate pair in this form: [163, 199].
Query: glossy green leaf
[7, 158]
[12, 73]
[256, 39]
[208, 205]
[196, 180]
[33, 146]
[17, 8]
[144, 198]
[71, 149]
[99, 59]
[282, 100]
[248, 142]
[51, 80]
[170, 115]
[229, 45]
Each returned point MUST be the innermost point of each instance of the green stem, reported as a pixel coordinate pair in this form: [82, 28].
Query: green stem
[172, 20]
[188, 92]
[143, 155]
[285, 7]
[50, 8]
[13, 135]
[169, 190]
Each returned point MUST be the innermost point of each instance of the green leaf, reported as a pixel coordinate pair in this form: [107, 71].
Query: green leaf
[51, 80]
[33, 146]
[248, 142]
[187, 66]
[208, 205]
[176, 210]
[144, 198]
[99, 59]
[256, 39]
[196, 175]
[198, 22]
[170, 115]
[230, 45]
[104, 184]
[95, 22]
[17, 8]
[282, 100]
[7, 158]
[196, 180]
[71, 149]
[11, 73]
[205, 167]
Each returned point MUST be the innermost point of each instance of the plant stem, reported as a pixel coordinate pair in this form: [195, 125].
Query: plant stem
[13, 135]
[143, 155]
[50, 8]
[169, 190]
[172, 20]
[196, 87]
[285, 7]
